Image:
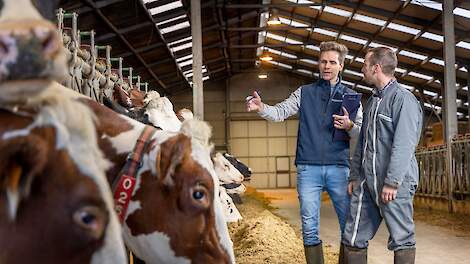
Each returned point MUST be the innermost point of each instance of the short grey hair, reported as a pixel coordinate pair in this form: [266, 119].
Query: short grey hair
[386, 58]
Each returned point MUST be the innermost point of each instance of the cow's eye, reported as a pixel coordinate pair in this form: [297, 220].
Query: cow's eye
[91, 219]
[198, 195]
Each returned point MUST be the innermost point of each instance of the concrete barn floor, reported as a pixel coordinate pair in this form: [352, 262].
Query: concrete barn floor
[435, 245]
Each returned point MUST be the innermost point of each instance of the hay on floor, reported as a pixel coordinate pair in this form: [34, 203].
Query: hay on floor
[262, 237]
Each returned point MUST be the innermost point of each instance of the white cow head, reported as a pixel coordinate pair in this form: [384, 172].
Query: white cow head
[226, 172]
[184, 114]
[160, 113]
[150, 96]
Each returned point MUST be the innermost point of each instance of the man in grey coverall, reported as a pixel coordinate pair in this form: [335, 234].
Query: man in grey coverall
[384, 171]
[322, 162]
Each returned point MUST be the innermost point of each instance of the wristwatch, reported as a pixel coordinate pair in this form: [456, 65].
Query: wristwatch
[351, 125]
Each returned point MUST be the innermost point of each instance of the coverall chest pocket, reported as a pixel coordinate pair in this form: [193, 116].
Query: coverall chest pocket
[385, 128]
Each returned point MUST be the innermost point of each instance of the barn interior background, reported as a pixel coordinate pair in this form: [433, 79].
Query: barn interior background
[150, 46]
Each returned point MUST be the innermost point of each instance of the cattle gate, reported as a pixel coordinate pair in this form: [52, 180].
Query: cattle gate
[433, 175]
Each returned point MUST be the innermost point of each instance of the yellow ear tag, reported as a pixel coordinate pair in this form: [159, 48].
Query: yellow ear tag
[13, 197]
[14, 178]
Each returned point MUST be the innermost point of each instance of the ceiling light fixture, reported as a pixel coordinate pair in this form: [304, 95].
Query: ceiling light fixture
[266, 57]
[263, 75]
[274, 21]
[274, 18]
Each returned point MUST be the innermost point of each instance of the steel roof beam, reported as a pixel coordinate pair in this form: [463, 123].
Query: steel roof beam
[402, 17]
[223, 35]
[300, 56]
[158, 3]
[355, 80]
[272, 5]
[99, 4]
[417, 49]
[121, 31]
[178, 69]
[381, 29]
[160, 18]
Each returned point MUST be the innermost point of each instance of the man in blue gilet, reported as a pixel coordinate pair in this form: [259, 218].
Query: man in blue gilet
[322, 162]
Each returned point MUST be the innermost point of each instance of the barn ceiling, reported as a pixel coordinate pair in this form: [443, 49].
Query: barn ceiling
[154, 37]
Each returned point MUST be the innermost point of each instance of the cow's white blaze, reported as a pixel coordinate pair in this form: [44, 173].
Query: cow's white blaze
[202, 156]
[225, 171]
[125, 142]
[18, 9]
[144, 246]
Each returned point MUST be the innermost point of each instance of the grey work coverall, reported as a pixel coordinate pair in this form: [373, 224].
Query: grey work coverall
[385, 154]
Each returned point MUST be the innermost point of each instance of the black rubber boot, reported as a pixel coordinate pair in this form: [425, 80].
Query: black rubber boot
[314, 254]
[405, 256]
[341, 259]
[355, 255]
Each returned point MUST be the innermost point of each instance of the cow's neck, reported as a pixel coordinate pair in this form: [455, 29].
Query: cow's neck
[117, 136]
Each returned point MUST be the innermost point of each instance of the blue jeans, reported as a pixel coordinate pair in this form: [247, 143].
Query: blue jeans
[312, 180]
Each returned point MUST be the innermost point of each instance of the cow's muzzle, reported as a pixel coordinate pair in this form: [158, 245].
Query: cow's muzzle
[27, 49]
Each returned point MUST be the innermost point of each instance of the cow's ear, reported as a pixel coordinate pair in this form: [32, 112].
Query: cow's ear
[21, 159]
[170, 156]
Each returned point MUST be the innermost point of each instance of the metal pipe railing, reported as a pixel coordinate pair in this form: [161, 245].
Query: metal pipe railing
[86, 68]
[434, 181]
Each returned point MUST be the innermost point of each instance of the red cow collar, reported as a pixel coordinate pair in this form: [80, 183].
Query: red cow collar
[124, 184]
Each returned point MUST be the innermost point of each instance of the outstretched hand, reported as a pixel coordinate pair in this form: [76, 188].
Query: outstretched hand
[343, 121]
[253, 102]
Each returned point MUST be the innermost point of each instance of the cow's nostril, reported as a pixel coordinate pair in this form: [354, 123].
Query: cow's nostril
[3, 48]
[146, 117]
[7, 43]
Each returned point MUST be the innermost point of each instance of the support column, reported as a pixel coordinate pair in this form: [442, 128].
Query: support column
[196, 31]
[450, 91]
[227, 113]
[421, 102]
[468, 96]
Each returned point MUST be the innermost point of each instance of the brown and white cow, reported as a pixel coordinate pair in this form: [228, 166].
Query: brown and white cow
[55, 203]
[168, 221]
[174, 215]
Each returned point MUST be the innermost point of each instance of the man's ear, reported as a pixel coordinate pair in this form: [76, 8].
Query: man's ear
[170, 156]
[21, 160]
